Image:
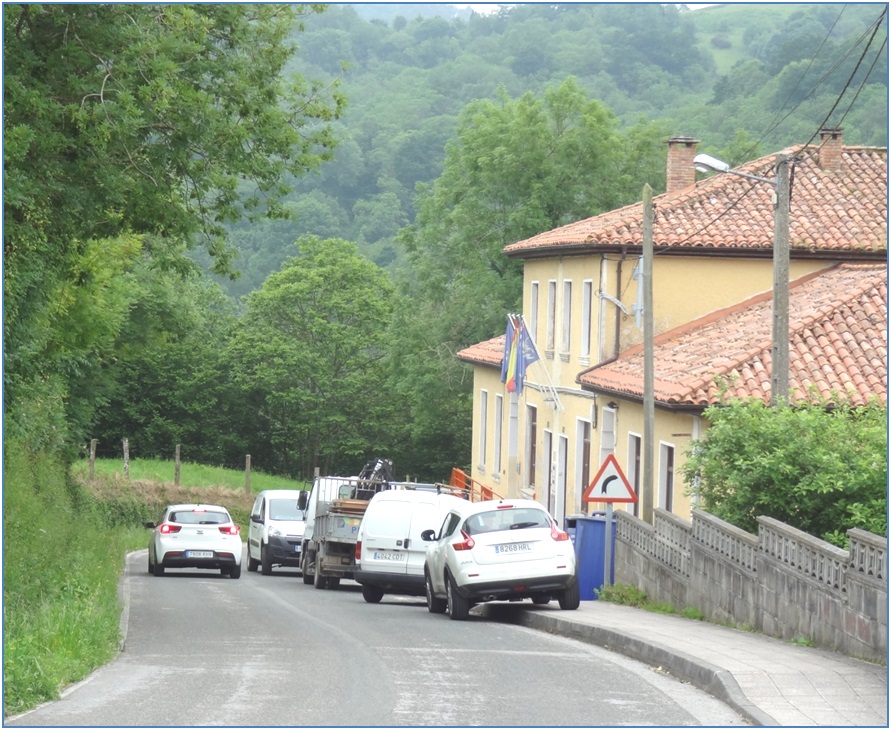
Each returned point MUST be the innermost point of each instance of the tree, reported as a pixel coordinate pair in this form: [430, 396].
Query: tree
[309, 356]
[820, 470]
[138, 120]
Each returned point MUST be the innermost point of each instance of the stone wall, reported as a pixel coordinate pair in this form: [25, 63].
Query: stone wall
[782, 582]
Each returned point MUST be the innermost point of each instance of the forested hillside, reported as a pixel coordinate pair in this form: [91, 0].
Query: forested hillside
[743, 79]
[362, 167]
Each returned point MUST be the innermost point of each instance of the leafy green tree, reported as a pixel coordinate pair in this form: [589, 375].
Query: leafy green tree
[125, 120]
[309, 357]
[821, 470]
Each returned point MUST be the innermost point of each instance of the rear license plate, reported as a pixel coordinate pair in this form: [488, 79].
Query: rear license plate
[296, 548]
[514, 547]
[397, 557]
[199, 553]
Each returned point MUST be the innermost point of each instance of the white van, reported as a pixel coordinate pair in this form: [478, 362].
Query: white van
[276, 530]
[389, 549]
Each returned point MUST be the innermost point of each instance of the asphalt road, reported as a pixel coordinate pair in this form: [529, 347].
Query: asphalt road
[202, 649]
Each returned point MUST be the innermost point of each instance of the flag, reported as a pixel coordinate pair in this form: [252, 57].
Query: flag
[519, 353]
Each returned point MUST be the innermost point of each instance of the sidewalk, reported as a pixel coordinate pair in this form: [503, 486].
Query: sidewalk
[768, 681]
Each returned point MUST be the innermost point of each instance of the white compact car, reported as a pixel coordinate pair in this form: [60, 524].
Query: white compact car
[195, 536]
[498, 550]
[276, 530]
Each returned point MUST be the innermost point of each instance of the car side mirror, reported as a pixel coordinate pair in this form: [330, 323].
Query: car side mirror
[150, 525]
[302, 500]
[257, 518]
[428, 535]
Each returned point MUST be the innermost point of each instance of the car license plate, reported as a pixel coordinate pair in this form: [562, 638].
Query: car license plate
[514, 547]
[296, 548]
[397, 557]
[199, 553]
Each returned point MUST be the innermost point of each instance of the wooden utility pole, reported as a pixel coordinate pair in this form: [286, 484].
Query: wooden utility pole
[247, 474]
[779, 366]
[646, 281]
[176, 467]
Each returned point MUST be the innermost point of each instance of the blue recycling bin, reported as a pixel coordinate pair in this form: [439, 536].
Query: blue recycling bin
[590, 551]
[569, 525]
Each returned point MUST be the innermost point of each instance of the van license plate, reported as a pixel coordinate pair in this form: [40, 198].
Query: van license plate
[199, 553]
[514, 547]
[397, 557]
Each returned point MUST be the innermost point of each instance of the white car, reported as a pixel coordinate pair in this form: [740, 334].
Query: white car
[498, 550]
[276, 530]
[195, 536]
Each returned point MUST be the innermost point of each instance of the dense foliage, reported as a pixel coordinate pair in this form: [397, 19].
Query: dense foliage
[820, 470]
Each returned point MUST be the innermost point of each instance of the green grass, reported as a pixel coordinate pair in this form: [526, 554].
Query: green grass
[191, 474]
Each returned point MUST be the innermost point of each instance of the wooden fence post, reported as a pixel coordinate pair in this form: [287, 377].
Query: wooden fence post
[126, 459]
[247, 474]
[93, 458]
[176, 467]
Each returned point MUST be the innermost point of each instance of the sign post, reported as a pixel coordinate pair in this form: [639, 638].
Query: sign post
[609, 485]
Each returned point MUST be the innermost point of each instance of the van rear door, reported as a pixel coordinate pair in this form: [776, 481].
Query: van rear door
[385, 532]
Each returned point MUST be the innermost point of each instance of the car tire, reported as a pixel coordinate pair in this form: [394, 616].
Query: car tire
[235, 571]
[265, 560]
[570, 599]
[150, 570]
[317, 580]
[372, 594]
[541, 600]
[253, 563]
[304, 569]
[457, 606]
[434, 604]
[157, 570]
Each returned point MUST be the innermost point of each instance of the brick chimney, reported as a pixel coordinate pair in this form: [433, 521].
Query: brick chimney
[831, 148]
[679, 170]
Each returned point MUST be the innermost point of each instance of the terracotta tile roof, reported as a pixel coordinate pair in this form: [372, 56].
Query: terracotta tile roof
[832, 211]
[838, 320]
[489, 352]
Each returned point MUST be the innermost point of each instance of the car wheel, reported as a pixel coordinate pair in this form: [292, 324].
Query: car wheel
[304, 568]
[457, 606]
[235, 571]
[150, 562]
[434, 604]
[541, 600]
[157, 570]
[371, 594]
[317, 580]
[253, 563]
[265, 561]
[570, 599]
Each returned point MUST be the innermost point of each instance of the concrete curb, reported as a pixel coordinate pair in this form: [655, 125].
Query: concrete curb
[716, 681]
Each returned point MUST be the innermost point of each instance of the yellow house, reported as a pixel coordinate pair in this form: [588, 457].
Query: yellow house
[712, 279]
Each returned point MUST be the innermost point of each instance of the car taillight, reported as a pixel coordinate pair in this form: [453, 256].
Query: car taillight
[168, 529]
[230, 530]
[558, 535]
[467, 544]
[358, 549]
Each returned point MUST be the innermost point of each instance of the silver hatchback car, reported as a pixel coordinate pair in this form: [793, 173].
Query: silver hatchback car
[498, 550]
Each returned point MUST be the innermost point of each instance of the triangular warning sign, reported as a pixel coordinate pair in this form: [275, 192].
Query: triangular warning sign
[610, 484]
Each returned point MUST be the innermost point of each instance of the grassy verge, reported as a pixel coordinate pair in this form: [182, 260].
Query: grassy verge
[65, 539]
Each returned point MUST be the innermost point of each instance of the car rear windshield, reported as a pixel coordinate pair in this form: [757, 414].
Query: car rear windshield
[190, 517]
[506, 519]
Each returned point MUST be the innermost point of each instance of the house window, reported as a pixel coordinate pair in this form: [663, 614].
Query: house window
[607, 433]
[533, 311]
[562, 481]
[566, 339]
[484, 407]
[583, 460]
[634, 467]
[587, 295]
[666, 476]
[552, 317]
[531, 438]
[548, 474]
[499, 415]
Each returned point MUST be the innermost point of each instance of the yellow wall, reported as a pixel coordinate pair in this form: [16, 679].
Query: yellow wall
[684, 288]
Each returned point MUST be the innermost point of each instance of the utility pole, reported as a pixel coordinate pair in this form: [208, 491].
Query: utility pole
[646, 281]
[779, 367]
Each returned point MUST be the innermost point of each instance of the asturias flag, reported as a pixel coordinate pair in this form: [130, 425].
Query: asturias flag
[519, 352]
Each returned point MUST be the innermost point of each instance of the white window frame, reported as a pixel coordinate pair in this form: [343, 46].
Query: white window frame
[533, 310]
[484, 435]
[664, 487]
[499, 421]
[580, 424]
[587, 299]
[552, 317]
[566, 335]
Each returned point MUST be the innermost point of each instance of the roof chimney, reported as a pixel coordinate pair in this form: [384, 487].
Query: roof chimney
[679, 170]
[831, 148]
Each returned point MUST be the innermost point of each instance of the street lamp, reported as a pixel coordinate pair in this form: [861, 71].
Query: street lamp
[779, 370]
